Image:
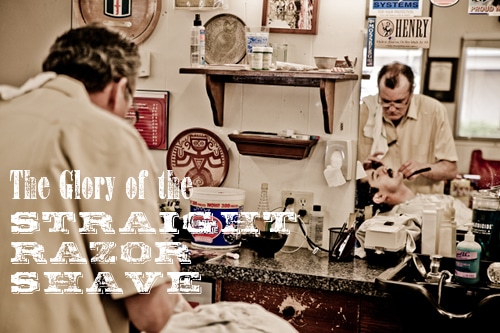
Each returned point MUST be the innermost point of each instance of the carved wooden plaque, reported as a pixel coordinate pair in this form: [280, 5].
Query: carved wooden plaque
[136, 18]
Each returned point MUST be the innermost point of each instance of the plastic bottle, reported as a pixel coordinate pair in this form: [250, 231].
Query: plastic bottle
[262, 208]
[448, 233]
[468, 260]
[257, 57]
[267, 58]
[316, 225]
[197, 43]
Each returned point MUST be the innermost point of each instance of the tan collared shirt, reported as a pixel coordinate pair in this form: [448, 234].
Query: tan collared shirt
[48, 131]
[423, 135]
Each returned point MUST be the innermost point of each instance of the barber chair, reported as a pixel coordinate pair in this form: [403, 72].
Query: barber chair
[488, 170]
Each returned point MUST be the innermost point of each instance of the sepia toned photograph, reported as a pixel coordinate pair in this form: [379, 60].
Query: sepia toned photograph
[290, 16]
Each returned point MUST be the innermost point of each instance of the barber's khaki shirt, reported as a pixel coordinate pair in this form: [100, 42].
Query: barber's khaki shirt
[51, 131]
[423, 135]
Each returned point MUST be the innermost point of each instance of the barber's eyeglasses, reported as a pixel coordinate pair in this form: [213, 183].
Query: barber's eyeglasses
[398, 104]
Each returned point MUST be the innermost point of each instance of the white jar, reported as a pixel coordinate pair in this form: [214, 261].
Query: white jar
[257, 56]
[267, 58]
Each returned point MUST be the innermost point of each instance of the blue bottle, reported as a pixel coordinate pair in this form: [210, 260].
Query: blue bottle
[468, 260]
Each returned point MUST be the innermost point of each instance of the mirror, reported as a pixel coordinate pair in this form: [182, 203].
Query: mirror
[447, 42]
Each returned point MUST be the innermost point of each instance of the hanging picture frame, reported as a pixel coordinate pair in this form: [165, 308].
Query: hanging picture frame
[291, 16]
[200, 4]
[440, 78]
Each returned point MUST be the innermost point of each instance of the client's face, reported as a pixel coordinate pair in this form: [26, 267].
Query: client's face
[385, 179]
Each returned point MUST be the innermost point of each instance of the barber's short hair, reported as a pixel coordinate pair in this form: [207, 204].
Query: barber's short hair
[94, 55]
[392, 72]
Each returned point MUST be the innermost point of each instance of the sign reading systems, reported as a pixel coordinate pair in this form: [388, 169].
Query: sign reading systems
[395, 7]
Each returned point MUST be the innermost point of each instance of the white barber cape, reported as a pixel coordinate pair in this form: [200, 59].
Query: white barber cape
[228, 317]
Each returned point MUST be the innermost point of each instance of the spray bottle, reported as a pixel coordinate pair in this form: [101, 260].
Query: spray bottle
[197, 43]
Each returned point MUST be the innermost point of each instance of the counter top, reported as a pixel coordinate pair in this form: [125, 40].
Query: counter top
[298, 269]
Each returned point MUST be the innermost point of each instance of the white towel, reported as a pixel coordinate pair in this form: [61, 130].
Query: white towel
[228, 317]
[9, 92]
[374, 127]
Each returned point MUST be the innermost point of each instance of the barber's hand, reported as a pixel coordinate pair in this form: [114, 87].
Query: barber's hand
[373, 161]
[408, 169]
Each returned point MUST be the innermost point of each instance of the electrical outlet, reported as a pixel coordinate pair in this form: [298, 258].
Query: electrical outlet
[301, 200]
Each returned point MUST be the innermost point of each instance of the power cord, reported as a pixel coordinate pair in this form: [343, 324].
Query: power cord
[301, 213]
[314, 246]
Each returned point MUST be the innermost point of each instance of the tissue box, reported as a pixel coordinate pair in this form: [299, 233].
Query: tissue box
[385, 242]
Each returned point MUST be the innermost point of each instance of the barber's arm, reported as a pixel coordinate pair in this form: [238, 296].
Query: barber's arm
[150, 312]
[441, 170]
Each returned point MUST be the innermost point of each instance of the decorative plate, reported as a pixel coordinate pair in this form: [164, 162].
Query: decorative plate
[136, 18]
[200, 155]
[225, 41]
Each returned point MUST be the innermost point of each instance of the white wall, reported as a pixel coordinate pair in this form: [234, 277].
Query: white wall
[29, 27]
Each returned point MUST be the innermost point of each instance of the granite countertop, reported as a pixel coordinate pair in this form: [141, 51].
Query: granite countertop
[299, 268]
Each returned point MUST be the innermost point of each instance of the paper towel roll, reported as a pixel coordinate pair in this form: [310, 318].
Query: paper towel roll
[333, 172]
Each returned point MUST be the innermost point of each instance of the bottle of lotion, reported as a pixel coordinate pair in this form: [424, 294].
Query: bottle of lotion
[468, 260]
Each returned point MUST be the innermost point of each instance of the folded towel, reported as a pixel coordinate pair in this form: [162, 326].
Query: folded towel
[374, 127]
[228, 317]
[9, 92]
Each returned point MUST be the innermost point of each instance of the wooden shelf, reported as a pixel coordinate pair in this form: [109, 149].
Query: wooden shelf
[218, 76]
[273, 146]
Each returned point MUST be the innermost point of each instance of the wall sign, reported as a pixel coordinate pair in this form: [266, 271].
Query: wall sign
[403, 32]
[152, 117]
[484, 7]
[395, 8]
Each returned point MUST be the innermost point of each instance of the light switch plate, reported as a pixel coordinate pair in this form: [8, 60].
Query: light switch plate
[145, 68]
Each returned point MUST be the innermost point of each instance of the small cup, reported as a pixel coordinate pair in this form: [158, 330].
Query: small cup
[280, 52]
[341, 245]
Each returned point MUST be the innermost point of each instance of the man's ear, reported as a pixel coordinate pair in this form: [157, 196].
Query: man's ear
[379, 198]
[117, 96]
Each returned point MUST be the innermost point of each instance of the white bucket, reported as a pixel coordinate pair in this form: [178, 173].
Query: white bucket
[216, 200]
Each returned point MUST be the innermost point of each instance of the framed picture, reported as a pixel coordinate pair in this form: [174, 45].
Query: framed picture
[440, 78]
[200, 4]
[290, 16]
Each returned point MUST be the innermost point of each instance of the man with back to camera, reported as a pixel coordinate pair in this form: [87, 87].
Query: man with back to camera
[66, 120]
[406, 132]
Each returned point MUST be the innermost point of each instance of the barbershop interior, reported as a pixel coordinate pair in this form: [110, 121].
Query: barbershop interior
[335, 163]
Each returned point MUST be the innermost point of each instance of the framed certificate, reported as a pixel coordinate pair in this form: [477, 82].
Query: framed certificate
[440, 78]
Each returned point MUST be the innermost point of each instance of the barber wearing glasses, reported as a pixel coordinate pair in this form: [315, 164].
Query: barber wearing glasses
[406, 132]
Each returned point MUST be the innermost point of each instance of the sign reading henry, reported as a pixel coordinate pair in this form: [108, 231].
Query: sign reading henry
[403, 32]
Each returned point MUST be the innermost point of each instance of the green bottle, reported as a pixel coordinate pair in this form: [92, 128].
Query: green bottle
[468, 260]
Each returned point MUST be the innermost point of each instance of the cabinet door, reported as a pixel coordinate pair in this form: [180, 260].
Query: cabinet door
[308, 310]
[379, 315]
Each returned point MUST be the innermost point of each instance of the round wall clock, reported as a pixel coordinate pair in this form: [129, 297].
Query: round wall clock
[136, 18]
